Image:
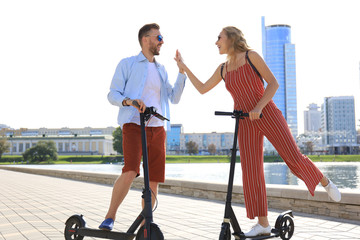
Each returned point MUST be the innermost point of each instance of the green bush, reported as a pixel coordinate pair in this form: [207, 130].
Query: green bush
[43, 151]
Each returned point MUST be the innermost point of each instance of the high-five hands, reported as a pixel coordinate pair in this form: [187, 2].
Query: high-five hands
[180, 62]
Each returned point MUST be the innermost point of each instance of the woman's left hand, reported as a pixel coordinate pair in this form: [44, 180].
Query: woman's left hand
[254, 114]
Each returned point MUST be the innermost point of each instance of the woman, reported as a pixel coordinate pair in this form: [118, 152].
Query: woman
[247, 90]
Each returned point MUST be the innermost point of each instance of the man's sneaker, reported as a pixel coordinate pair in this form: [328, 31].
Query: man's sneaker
[333, 191]
[258, 230]
[107, 224]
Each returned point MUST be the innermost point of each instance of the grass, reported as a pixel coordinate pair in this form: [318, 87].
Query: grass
[93, 159]
[335, 158]
[98, 159]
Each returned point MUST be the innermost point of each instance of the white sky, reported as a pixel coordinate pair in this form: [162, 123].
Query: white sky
[57, 58]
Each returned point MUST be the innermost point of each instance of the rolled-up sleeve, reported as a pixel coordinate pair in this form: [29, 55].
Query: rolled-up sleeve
[117, 87]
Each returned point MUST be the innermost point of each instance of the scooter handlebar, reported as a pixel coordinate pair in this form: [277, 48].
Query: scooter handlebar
[150, 111]
[234, 113]
[224, 113]
[135, 103]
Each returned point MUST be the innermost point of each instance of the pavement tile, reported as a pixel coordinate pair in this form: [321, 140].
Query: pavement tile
[36, 207]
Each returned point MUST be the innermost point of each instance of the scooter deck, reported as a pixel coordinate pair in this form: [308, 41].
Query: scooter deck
[274, 233]
[105, 234]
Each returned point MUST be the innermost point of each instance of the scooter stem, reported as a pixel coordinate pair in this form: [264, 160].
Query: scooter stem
[233, 161]
[146, 192]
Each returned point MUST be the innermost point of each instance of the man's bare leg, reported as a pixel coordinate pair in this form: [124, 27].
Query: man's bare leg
[120, 190]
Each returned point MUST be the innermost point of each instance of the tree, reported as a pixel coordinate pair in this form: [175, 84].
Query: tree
[212, 149]
[4, 147]
[307, 142]
[44, 150]
[192, 147]
[309, 147]
[117, 140]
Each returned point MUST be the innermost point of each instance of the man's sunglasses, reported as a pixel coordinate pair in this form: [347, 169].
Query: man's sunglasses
[159, 37]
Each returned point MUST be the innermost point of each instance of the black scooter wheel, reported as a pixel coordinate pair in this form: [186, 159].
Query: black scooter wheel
[286, 228]
[225, 233]
[71, 227]
[155, 233]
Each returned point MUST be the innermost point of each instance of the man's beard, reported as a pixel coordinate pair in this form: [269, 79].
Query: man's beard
[154, 50]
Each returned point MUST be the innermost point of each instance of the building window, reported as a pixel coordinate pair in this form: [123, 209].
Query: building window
[14, 148]
[67, 147]
[21, 147]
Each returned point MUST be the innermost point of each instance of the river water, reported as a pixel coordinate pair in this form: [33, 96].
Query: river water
[344, 175]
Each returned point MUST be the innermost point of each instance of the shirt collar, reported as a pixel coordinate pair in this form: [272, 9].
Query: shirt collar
[141, 57]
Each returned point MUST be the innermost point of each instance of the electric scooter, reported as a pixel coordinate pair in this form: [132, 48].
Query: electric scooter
[75, 226]
[284, 225]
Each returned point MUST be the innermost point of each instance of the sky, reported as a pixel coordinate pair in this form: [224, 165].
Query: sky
[57, 58]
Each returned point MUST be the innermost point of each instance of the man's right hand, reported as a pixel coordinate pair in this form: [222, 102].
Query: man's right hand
[138, 104]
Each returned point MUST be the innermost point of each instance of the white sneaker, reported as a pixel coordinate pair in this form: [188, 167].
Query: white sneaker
[257, 230]
[333, 191]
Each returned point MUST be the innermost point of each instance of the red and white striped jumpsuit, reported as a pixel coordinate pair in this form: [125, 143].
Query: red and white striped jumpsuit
[247, 89]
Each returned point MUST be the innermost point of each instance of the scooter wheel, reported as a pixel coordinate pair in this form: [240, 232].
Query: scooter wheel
[155, 233]
[225, 233]
[71, 227]
[286, 228]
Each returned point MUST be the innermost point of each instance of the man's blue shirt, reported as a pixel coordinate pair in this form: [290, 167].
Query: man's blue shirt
[129, 80]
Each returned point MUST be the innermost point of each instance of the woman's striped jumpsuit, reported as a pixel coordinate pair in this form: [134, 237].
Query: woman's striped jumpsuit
[247, 89]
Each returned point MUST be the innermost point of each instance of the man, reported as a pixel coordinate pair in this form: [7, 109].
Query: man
[140, 78]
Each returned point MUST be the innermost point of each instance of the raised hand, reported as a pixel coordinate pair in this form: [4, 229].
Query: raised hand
[179, 61]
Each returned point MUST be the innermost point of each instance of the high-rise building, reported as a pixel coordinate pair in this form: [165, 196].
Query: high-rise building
[173, 138]
[338, 124]
[279, 55]
[312, 119]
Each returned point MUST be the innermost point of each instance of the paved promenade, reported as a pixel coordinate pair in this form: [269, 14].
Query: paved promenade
[36, 207]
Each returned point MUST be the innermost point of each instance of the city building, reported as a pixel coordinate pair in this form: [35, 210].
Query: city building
[173, 139]
[312, 119]
[223, 142]
[310, 141]
[279, 55]
[99, 141]
[3, 126]
[66, 145]
[338, 125]
[68, 141]
[25, 132]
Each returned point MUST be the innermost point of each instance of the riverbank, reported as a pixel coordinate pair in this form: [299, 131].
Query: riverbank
[98, 159]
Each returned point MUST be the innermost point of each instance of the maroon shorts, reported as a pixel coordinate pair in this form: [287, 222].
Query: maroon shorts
[132, 147]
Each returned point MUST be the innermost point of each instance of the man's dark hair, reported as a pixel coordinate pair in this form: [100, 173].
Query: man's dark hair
[146, 29]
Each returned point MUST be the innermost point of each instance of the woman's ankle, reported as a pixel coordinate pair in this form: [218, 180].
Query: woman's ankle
[324, 181]
[263, 221]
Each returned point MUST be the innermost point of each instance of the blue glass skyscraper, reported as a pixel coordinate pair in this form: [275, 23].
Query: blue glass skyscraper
[279, 55]
[173, 138]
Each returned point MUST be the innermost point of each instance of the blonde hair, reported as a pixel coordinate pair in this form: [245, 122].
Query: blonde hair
[237, 41]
